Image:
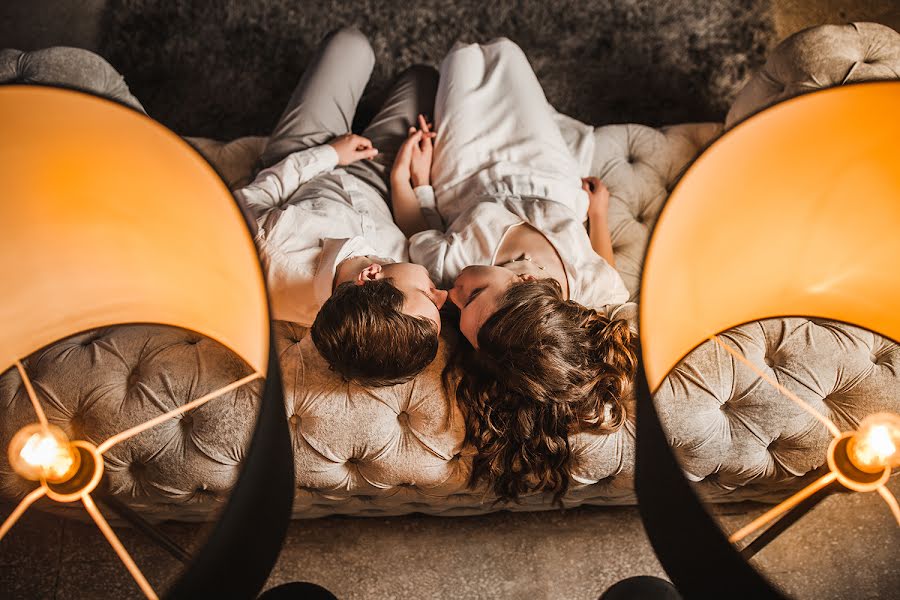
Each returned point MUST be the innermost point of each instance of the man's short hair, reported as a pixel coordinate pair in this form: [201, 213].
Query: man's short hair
[365, 336]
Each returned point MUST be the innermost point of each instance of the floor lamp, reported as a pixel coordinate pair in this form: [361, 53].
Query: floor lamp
[109, 218]
[793, 212]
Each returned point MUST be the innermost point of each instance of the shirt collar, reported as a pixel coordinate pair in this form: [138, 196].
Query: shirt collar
[335, 251]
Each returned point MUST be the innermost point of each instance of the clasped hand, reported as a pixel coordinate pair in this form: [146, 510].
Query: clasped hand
[413, 162]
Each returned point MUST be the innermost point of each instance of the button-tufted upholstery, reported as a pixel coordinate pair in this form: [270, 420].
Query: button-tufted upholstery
[817, 58]
[400, 449]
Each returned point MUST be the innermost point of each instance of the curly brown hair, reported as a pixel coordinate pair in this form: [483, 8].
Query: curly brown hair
[363, 333]
[545, 368]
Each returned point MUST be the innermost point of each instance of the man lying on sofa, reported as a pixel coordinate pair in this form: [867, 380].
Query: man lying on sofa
[333, 256]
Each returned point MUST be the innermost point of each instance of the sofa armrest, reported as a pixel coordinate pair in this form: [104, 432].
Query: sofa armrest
[73, 68]
[816, 58]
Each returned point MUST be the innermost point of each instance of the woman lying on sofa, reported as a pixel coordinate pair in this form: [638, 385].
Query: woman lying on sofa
[540, 358]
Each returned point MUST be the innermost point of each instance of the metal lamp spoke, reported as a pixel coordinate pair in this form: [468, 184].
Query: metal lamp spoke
[133, 431]
[783, 507]
[891, 501]
[27, 501]
[122, 553]
[828, 423]
[31, 395]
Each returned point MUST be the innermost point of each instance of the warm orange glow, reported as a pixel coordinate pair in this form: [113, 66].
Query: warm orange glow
[876, 444]
[793, 212]
[42, 452]
[115, 219]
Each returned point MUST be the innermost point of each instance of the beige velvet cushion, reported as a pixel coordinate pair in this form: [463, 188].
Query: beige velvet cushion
[817, 58]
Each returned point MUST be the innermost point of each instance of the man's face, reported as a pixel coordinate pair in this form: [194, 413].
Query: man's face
[422, 298]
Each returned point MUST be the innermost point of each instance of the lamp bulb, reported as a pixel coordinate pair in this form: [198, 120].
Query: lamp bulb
[43, 452]
[876, 444]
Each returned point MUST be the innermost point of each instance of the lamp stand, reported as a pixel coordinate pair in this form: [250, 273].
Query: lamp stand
[141, 524]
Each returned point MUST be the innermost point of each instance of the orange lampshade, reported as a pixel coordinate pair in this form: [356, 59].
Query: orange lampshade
[796, 211]
[107, 217]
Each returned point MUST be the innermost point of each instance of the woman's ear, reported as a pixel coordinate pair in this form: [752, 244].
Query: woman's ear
[370, 273]
[527, 277]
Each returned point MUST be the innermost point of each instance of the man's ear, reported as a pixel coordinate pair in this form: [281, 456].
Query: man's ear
[370, 273]
[527, 277]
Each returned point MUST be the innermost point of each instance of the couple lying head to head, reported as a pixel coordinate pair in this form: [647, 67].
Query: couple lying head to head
[530, 369]
[487, 202]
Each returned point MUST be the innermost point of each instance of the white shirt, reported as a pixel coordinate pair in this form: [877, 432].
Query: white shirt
[504, 157]
[474, 237]
[311, 216]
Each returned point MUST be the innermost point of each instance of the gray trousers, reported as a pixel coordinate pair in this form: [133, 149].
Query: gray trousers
[325, 100]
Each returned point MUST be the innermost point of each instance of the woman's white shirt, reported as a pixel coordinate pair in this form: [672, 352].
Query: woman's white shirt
[474, 237]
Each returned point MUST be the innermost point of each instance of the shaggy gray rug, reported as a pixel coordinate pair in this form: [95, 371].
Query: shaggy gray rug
[224, 69]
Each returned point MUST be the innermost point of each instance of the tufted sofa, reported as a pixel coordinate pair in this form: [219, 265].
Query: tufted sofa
[400, 449]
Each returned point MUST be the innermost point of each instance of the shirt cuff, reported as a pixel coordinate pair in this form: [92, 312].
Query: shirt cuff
[326, 156]
[428, 206]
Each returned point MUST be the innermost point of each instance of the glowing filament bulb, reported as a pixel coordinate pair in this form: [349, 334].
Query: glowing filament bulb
[38, 451]
[876, 444]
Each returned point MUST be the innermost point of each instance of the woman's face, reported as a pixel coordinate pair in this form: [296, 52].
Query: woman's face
[476, 292]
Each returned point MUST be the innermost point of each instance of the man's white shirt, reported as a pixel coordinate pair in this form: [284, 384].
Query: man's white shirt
[311, 216]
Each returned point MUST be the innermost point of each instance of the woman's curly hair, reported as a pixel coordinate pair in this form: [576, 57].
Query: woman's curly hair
[545, 368]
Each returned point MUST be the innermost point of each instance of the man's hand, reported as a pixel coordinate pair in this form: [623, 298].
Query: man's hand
[599, 197]
[351, 148]
[413, 162]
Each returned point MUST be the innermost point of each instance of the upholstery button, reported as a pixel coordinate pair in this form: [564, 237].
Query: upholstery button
[295, 420]
[353, 461]
[403, 418]
[769, 361]
[133, 377]
[76, 423]
[137, 469]
[187, 421]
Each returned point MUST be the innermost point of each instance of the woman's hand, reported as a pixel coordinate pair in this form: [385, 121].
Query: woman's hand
[599, 198]
[413, 162]
[351, 148]
[598, 224]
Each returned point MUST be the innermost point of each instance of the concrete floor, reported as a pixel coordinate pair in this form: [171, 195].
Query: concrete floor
[846, 548]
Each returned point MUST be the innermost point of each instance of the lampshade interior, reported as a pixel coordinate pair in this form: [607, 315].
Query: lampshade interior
[796, 211]
[109, 218]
